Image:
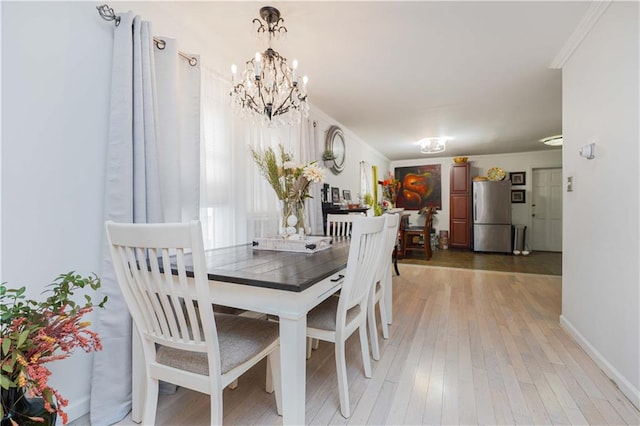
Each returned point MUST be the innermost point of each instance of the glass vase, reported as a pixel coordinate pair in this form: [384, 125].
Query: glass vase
[292, 223]
[18, 409]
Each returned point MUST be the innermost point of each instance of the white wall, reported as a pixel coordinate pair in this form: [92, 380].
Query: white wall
[521, 162]
[56, 67]
[55, 81]
[356, 151]
[601, 280]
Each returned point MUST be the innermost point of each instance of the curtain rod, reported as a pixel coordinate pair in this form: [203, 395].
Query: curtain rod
[108, 14]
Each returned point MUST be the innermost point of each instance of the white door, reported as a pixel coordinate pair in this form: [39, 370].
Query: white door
[546, 210]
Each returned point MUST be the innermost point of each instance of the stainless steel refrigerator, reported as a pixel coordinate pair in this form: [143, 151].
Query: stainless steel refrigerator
[492, 216]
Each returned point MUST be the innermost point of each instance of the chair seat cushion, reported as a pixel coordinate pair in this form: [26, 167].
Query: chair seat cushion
[323, 316]
[239, 339]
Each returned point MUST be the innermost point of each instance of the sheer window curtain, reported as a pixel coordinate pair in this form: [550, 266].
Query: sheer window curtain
[223, 177]
[152, 175]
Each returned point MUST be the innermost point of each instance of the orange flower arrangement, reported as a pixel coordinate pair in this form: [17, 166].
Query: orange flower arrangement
[390, 188]
[35, 333]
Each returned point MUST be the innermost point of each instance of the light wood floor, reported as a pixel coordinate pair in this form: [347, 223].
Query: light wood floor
[466, 347]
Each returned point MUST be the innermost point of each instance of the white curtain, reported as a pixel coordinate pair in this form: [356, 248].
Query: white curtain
[223, 164]
[310, 150]
[366, 179]
[151, 175]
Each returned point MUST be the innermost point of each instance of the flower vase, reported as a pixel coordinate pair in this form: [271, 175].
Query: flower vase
[18, 409]
[292, 220]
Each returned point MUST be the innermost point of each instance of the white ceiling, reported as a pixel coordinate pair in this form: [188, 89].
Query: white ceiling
[396, 72]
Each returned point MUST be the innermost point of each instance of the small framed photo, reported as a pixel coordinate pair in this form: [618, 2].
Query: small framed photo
[517, 195]
[517, 178]
[335, 195]
[346, 195]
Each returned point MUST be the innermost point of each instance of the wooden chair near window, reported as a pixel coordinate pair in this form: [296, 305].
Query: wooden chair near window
[182, 341]
[421, 233]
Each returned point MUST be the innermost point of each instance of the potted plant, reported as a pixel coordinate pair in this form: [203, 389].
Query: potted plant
[34, 333]
[328, 156]
[291, 182]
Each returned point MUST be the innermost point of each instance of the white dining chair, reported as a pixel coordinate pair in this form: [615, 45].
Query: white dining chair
[340, 225]
[379, 291]
[182, 341]
[338, 317]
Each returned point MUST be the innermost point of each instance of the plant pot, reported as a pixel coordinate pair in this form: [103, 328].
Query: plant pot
[18, 409]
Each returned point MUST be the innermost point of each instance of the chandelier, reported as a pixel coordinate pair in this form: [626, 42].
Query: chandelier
[433, 145]
[269, 91]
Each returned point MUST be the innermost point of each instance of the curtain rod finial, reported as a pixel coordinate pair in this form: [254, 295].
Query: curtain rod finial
[108, 14]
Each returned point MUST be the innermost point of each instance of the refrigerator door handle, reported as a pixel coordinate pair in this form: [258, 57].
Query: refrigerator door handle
[475, 206]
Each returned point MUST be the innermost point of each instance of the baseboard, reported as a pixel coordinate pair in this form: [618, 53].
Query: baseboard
[631, 392]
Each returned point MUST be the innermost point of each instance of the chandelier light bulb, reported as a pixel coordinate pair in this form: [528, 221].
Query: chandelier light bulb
[305, 80]
[234, 70]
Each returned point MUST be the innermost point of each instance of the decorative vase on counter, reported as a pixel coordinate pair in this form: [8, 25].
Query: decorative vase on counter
[21, 410]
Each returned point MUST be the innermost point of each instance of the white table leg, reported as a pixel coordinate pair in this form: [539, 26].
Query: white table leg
[293, 333]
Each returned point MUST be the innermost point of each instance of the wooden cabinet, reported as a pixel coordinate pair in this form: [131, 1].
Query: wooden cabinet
[460, 206]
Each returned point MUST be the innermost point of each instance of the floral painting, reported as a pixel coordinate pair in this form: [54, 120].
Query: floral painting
[420, 186]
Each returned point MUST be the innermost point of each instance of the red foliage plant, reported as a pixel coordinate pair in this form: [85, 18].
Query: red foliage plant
[36, 333]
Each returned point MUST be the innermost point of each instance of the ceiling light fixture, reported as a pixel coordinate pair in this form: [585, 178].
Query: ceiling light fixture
[552, 140]
[433, 145]
[268, 90]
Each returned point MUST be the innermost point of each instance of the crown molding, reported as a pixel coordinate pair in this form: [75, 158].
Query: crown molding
[589, 19]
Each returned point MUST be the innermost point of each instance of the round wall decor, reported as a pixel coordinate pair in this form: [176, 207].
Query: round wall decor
[335, 143]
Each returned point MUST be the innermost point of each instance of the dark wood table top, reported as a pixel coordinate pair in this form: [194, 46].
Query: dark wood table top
[279, 270]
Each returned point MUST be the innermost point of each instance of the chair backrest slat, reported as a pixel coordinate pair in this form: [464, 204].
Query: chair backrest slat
[362, 265]
[340, 225]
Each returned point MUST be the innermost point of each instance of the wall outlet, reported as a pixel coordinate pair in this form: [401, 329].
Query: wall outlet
[570, 184]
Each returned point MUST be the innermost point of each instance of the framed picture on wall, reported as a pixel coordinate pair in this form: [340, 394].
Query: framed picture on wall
[517, 178]
[335, 195]
[517, 196]
[420, 187]
[346, 195]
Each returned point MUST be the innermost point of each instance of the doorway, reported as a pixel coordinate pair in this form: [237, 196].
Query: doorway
[546, 210]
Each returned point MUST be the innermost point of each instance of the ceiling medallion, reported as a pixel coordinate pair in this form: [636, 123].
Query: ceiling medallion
[433, 145]
[268, 90]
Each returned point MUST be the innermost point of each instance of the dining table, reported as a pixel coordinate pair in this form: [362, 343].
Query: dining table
[280, 283]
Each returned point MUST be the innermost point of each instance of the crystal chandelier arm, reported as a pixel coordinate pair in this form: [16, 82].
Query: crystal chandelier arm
[281, 108]
[247, 100]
